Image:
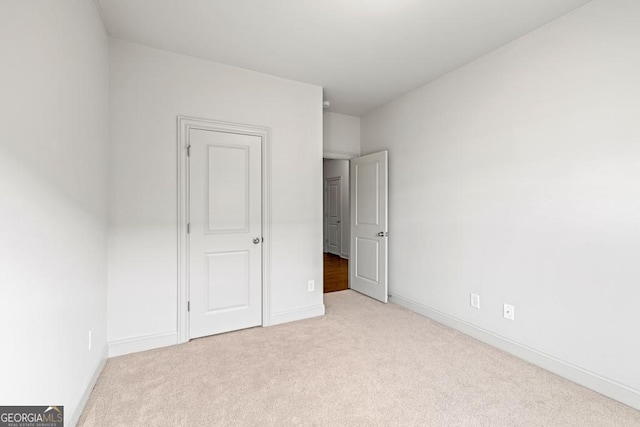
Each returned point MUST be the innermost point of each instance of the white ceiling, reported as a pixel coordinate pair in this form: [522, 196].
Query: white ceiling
[363, 52]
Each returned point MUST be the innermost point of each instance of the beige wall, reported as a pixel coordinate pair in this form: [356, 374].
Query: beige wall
[53, 203]
[517, 177]
[341, 134]
[149, 89]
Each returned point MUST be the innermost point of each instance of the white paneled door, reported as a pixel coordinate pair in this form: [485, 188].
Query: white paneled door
[334, 214]
[225, 236]
[369, 225]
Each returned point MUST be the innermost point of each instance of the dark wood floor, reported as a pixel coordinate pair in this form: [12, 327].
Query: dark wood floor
[336, 273]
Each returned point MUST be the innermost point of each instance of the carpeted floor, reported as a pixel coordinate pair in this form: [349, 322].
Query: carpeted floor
[363, 364]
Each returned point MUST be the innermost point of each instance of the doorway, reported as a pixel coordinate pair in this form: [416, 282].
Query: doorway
[364, 230]
[336, 224]
[224, 227]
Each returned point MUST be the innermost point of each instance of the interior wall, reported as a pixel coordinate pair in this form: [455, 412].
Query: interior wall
[334, 169]
[516, 177]
[341, 134]
[149, 89]
[53, 209]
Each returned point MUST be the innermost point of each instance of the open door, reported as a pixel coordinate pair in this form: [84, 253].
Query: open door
[369, 225]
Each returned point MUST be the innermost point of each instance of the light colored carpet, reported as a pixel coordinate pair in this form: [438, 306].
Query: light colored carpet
[363, 364]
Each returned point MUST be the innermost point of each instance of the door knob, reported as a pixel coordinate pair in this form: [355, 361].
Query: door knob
[382, 234]
[256, 240]
[338, 222]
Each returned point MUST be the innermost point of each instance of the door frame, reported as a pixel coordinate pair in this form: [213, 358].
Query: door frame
[340, 155]
[185, 124]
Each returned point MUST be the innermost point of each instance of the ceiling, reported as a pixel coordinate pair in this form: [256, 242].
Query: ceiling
[363, 52]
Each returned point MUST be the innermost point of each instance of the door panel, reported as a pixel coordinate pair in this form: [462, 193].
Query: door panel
[369, 225]
[369, 252]
[334, 236]
[225, 210]
[228, 281]
[367, 203]
[228, 189]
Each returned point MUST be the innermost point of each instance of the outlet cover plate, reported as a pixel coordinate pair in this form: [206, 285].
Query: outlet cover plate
[475, 301]
[509, 312]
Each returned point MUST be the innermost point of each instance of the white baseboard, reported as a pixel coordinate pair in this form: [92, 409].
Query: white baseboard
[149, 342]
[77, 413]
[142, 343]
[602, 385]
[297, 314]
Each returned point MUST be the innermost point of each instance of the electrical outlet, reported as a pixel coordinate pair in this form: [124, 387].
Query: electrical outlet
[475, 301]
[509, 312]
[90, 339]
[311, 285]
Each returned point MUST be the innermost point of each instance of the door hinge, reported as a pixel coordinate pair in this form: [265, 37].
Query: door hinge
[188, 305]
[188, 151]
[188, 228]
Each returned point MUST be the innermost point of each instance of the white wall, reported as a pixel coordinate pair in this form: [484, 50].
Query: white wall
[149, 89]
[517, 177]
[341, 134]
[334, 169]
[53, 186]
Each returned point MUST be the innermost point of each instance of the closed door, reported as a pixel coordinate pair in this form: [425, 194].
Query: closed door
[225, 237]
[369, 222]
[334, 215]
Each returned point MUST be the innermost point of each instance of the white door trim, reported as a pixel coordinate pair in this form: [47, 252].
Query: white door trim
[338, 155]
[185, 124]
